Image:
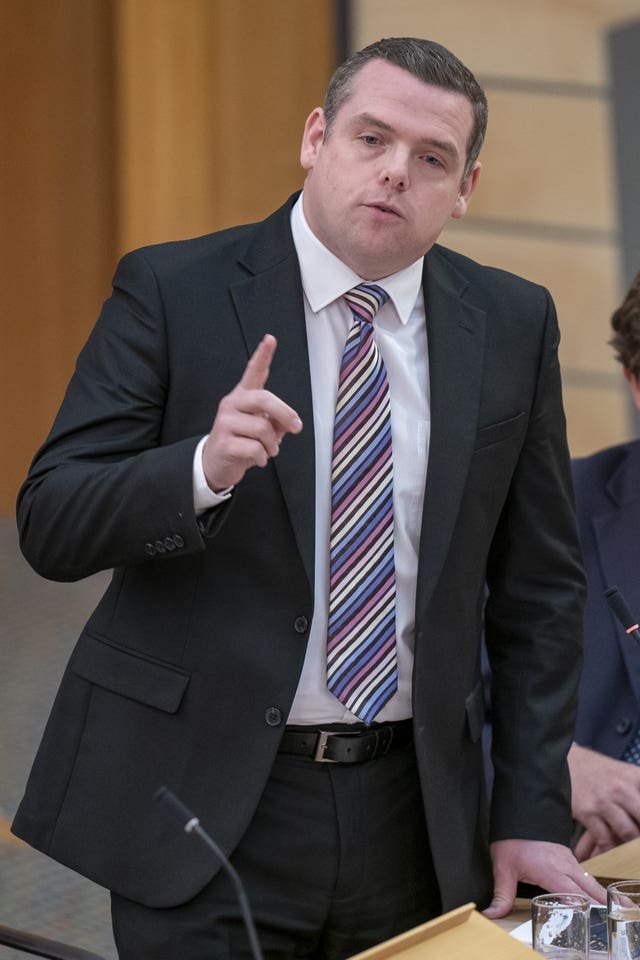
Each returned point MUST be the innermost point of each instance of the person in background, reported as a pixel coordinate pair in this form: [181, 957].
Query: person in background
[605, 758]
[304, 446]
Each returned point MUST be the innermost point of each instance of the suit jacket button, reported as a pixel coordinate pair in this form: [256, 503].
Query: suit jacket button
[160, 547]
[177, 539]
[169, 544]
[150, 549]
[623, 726]
[301, 625]
[273, 716]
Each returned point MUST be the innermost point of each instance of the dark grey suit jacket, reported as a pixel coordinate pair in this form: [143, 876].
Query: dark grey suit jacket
[186, 671]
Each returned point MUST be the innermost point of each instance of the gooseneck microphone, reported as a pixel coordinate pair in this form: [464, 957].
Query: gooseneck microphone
[191, 824]
[621, 610]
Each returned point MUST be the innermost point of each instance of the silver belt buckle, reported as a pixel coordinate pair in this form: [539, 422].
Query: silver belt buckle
[321, 746]
[323, 738]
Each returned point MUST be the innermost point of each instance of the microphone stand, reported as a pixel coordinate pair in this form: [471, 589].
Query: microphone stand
[191, 825]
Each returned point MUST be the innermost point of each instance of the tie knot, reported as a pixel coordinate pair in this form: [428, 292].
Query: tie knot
[365, 300]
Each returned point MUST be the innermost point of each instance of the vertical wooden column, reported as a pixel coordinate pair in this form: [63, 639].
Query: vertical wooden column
[211, 100]
[56, 207]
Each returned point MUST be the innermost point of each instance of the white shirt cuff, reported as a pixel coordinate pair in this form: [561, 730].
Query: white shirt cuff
[203, 496]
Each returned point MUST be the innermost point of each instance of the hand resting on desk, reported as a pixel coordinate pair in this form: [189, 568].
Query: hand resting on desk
[548, 865]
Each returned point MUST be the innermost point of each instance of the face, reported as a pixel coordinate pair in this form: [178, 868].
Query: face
[383, 184]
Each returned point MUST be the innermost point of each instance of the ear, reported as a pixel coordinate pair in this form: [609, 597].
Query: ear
[634, 384]
[312, 138]
[467, 187]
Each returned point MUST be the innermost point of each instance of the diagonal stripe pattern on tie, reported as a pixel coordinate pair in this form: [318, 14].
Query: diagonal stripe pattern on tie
[361, 643]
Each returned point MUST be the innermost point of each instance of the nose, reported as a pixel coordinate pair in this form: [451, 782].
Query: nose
[395, 169]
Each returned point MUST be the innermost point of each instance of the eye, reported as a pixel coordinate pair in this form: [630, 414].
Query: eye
[432, 160]
[370, 139]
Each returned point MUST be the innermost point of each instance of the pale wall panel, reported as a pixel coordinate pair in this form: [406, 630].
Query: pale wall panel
[540, 39]
[595, 417]
[547, 160]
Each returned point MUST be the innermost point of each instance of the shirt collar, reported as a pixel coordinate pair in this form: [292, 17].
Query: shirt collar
[325, 278]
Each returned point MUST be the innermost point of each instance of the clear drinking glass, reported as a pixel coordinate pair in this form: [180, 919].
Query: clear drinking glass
[560, 926]
[623, 920]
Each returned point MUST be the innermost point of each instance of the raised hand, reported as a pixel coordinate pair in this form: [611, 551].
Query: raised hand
[249, 424]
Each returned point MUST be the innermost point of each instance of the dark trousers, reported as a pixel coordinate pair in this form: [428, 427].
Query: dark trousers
[335, 860]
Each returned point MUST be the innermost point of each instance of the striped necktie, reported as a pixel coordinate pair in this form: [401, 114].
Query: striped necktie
[361, 644]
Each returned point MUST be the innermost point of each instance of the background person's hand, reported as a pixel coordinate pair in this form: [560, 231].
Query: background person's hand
[605, 800]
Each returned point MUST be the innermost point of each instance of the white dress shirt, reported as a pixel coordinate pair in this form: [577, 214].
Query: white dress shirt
[400, 333]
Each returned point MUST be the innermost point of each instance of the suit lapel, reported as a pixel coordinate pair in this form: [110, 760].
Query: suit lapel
[455, 336]
[270, 300]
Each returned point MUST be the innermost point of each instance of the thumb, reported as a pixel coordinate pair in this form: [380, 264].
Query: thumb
[504, 894]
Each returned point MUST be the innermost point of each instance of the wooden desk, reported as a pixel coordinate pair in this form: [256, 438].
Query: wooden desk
[621, 863]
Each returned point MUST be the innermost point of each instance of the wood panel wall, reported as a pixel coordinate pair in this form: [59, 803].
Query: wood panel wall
[57, 194]
[125, 122]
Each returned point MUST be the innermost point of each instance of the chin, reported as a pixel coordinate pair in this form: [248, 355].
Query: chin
[384, 264]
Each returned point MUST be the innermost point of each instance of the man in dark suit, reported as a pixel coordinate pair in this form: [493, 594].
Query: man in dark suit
[605, 776]
[204, 666]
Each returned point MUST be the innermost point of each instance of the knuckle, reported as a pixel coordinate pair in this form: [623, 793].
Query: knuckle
[629, 831]
[226, 404]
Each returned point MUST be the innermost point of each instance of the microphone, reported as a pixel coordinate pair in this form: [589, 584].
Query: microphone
[621, 610]
[191, 824]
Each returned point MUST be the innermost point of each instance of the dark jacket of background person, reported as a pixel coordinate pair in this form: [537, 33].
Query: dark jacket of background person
[607, 488]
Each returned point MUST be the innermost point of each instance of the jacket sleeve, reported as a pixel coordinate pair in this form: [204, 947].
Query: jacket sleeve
[106, 489]
[533, 624]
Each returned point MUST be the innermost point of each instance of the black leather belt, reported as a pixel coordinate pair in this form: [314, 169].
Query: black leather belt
[347, 746]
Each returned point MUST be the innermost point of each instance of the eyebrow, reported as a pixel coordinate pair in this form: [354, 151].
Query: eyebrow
[371, 120]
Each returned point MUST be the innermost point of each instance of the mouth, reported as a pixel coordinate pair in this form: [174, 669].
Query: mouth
[384, 209]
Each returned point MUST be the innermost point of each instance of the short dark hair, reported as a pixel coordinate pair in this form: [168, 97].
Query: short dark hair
[428, 61]
[626, 329]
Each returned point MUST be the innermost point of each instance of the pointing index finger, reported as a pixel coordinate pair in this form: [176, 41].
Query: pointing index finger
[256, 372]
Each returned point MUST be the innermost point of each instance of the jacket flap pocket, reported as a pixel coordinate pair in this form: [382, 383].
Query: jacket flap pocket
[474, 707]
[129, 673]
[496, 432]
